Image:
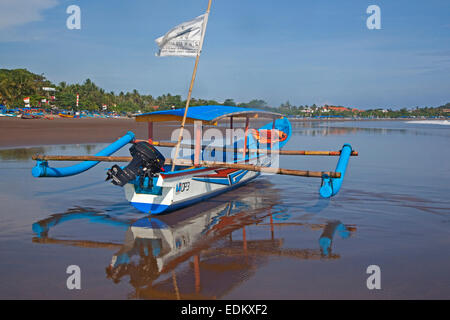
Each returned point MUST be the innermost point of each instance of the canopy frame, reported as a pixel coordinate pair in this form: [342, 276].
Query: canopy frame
[209, 115]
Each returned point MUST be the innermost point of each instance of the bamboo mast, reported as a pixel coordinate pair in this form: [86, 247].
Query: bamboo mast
[194, 73]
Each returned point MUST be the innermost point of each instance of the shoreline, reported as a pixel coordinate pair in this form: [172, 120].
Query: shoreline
[16, 132]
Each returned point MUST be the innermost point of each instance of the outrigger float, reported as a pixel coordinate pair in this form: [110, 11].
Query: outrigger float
[155, 185]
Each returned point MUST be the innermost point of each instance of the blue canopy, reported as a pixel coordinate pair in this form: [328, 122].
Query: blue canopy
[208, 114]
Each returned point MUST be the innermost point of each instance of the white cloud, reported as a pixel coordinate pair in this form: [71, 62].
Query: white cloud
[19, 12]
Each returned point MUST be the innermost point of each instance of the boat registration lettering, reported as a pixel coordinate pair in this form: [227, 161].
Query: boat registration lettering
[182, 186]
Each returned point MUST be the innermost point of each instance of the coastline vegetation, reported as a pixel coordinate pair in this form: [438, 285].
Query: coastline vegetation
[16, 84]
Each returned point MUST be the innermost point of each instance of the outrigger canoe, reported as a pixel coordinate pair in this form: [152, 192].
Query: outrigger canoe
[156, 187]
[188, 185]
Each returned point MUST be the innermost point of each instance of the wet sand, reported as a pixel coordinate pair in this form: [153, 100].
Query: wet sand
[260, 241]
[38, 132]
[35, 132]
[15, 132]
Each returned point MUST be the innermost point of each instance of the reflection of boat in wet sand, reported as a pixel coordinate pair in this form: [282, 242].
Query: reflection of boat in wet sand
[211, 262]
[202, 252]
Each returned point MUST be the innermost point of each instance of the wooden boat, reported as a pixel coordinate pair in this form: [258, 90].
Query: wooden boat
[197, 177]
[186, 185]
[27, 116]
[66, 115]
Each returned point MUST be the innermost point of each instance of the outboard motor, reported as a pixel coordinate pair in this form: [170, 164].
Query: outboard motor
[147, 162]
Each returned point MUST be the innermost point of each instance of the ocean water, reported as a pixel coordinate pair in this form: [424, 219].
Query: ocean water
[271, 239]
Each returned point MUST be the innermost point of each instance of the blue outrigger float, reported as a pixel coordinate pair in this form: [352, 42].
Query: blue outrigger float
[155, 185]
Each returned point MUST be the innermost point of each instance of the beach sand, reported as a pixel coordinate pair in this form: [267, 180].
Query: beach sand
[36, 132]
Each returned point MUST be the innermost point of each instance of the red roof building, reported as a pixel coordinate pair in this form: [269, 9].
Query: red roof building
[338, 109]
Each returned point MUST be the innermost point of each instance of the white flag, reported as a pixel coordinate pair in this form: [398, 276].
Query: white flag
[183, 40]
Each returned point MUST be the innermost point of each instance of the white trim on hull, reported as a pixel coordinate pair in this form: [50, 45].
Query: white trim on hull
[182, 188]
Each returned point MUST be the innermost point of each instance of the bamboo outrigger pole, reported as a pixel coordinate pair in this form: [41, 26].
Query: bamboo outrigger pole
[208, 164]
[205, 22]
[171, 144]
[251, 167]
[81, 158]
[261, 151]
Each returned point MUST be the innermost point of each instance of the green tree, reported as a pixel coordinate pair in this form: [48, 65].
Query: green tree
[229, 102]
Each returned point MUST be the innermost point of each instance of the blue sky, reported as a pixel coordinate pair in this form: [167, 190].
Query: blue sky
[302, 51]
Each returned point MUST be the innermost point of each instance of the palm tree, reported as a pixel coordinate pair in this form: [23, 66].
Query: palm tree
[5, 91]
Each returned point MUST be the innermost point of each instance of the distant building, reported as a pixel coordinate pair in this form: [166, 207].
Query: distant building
[337, 109]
